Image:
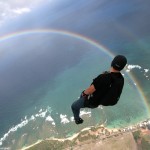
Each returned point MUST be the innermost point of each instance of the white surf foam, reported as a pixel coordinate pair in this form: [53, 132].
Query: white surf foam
[146, 70]
[71, 119]
[25, 121]
[41, 114]
[13, 129]
[83, 112]
[64, 119]
[50, 119]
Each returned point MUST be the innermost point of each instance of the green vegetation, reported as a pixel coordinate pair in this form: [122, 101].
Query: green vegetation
[132, 140]
[51, 145]
[145, 144]
[142, 140]
[136, 135]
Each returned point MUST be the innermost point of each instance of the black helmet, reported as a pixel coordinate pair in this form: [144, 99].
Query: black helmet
[119, 62]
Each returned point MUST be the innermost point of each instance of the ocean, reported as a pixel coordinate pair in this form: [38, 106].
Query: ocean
[44, 70]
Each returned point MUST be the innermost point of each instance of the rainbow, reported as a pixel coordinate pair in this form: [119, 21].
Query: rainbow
[79, 37]
[59, 32]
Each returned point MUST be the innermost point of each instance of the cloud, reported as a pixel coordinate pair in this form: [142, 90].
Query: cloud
[12, 8]
[130, 67]
[21, 10]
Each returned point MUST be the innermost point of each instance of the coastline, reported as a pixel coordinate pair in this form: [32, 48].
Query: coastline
[25, 148]
[88, 134]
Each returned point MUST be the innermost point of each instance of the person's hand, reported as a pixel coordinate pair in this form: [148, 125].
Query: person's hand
[84, 95]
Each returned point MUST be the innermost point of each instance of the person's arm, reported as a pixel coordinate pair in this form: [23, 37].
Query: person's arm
[90, 90]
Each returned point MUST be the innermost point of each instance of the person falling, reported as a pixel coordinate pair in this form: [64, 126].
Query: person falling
[105, 89]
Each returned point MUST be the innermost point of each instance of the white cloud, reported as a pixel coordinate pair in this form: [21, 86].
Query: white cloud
[130, 67]
[21, 10]
[12, 8]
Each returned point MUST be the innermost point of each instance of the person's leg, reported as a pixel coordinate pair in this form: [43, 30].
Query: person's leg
[76, 106]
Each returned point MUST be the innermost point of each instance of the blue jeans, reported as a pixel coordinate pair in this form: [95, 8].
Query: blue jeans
[76, 106]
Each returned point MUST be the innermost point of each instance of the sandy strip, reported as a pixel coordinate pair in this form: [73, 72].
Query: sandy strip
[39, 141]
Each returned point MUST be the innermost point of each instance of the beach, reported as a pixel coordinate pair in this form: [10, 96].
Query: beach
[98, 137]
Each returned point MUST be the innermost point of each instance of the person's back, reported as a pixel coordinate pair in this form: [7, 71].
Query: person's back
[109, 86]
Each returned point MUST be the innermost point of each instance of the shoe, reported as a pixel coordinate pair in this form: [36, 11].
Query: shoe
[79, 121]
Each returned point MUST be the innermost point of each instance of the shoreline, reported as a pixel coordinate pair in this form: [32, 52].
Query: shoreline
[58, 139]
[24, 148]
[100, 131]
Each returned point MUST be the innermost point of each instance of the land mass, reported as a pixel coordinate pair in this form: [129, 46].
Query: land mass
[135, 137]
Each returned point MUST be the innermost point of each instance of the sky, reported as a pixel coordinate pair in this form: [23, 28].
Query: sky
[10, 9]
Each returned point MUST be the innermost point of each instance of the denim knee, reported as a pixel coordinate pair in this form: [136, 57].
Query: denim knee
[73, 106]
